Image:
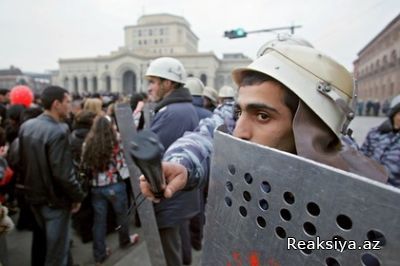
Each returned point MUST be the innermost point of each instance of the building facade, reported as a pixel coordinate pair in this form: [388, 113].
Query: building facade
[154, 36]
[14, 76]
[377, 68]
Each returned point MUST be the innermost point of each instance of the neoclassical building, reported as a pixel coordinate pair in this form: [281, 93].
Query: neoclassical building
[377, 68]
[154, 36]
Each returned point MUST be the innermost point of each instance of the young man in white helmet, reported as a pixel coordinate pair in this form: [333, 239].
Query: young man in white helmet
[174, 115]
[292, 98]
[226, 93]
[196, 88]
[210, 98]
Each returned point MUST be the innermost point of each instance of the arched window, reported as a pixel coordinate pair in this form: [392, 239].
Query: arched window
[384, 62]
[76, 87]
[377, 65]
[66, 83]
[203, 78]
[85, 84]
[94, 82]
[128, 82]
[393, 58]
[108, 84]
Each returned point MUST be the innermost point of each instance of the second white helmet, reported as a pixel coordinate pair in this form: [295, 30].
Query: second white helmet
[195, 86]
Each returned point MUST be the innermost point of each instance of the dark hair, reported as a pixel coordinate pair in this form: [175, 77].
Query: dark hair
[290, 99]
[3, 139]
[175, 85]
[95, 95]
[144, 95]
[4, 91]
[135, 99]
[83, 119]
[51, 94]
[14, 112]
[99, 145]
[30, 113]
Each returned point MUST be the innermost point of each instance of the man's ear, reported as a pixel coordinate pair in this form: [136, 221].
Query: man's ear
[167, 83]
[55, 104]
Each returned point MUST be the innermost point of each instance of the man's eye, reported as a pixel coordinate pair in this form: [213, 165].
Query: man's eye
[262, 116]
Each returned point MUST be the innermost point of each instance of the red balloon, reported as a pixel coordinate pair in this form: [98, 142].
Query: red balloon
[21, 94]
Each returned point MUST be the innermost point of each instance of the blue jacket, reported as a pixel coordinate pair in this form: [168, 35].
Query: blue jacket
[174, 115]
[201, 111]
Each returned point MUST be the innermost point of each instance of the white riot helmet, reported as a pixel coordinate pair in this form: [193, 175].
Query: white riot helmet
[167, 68]
[285, 39]
[394, 106]
[211, 94]
[226, 92]
[395, 101]
[195, 86]
[320, 82]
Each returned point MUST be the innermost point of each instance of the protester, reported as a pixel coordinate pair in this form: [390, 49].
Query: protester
[51, 185]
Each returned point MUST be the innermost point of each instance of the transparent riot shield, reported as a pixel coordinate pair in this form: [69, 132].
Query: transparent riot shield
[266, 207]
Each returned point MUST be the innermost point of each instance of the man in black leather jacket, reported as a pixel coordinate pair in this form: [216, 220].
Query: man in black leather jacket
[51, 185]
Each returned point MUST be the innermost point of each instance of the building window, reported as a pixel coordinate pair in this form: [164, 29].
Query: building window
[66, 83]
[76, 88]
[150, 32]
[384, 62]
[203, 78]
[140, 42]
[85, 84]
[108, 84]
[155, 41]
[144, 42]
[161, 31]
[393, 58]
[94, 82]
[139, 33]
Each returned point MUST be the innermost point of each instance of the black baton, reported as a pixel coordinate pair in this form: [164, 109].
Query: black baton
[147, 151]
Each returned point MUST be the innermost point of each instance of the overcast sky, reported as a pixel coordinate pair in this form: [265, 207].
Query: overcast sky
[34, 34]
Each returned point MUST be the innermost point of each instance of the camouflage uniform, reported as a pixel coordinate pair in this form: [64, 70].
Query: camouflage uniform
[194, 149]
[383, 145]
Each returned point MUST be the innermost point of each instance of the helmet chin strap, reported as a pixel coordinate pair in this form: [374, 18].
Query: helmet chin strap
[329, 91]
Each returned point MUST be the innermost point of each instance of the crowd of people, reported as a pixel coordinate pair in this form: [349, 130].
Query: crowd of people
[65, 159]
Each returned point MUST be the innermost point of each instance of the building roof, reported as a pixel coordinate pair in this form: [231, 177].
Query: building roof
[12, 71]
[161, 18]
[388, 26]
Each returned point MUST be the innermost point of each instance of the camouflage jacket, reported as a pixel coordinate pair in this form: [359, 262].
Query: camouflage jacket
[194, 149]
[383, 145]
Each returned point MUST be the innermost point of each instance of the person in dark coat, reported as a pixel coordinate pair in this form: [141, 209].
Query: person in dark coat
[174, 115]
[45, 153]
[196, 89]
